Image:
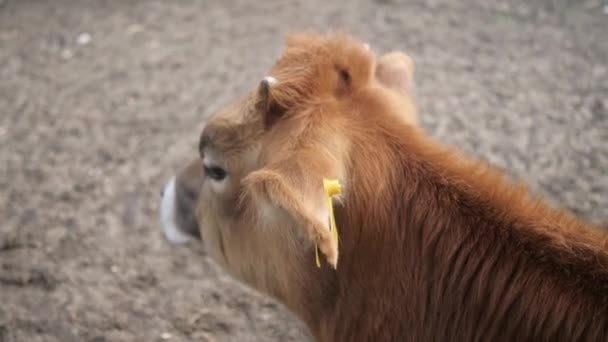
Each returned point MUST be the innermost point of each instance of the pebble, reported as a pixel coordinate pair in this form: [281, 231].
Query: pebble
[134, 28]
[165, 336]
[83, 38]
[67, 54]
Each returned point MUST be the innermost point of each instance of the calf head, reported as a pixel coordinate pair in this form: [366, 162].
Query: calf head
[254, 195]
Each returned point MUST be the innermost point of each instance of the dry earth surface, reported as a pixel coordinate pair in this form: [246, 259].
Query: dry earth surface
[100, 101]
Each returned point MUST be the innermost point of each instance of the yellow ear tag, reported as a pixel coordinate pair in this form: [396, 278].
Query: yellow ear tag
[332, 188]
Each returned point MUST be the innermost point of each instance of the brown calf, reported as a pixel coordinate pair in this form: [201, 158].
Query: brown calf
[432, 247]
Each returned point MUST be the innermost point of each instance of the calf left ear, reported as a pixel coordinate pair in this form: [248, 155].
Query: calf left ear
[293, 186]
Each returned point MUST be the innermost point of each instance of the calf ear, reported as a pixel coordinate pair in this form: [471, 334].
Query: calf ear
[295, 186]
[395, 70]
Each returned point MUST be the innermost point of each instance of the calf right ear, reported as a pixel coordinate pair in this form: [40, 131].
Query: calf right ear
[395, 70]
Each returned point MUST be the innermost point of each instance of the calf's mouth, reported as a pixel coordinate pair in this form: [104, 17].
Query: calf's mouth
[179, 199]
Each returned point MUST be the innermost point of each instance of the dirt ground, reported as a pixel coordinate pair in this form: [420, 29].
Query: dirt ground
[100, 101]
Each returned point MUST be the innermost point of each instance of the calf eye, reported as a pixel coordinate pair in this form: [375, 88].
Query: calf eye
[214, 172]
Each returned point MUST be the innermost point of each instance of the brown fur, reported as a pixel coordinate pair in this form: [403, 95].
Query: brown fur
[448, 251]
[433, 247]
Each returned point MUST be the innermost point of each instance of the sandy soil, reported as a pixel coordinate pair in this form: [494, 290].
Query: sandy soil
[100, 101]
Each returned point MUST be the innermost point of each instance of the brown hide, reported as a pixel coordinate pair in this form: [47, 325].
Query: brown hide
[446, 251]
[433, 246]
